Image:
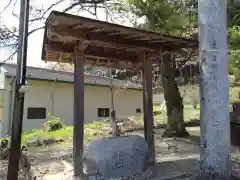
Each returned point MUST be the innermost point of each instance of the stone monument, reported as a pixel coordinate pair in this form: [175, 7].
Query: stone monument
[116, 156]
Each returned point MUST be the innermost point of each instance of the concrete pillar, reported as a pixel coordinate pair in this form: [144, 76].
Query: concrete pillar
[214, 89]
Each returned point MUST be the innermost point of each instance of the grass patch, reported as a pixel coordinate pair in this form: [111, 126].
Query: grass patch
[189, 113]
[95, 130]
[66, 132]
[96, 124]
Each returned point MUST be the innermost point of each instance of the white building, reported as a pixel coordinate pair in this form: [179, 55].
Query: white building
[51, 91]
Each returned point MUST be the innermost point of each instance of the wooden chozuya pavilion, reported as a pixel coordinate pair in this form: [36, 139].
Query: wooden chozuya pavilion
[74, 39]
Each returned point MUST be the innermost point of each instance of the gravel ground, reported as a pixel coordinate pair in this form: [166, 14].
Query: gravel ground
[176, 159]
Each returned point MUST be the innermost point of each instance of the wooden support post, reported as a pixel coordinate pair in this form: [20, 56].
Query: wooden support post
[148, 106]
[78, 122]
[144, 103]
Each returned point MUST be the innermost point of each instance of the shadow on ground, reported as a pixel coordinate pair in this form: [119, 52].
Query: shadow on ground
[177, 168]
[174, 157]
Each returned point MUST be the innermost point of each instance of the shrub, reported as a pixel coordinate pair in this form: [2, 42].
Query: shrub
[157, 113]
[52, 125]
[235, 101]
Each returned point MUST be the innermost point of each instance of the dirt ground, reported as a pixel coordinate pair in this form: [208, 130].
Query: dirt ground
[175, 157]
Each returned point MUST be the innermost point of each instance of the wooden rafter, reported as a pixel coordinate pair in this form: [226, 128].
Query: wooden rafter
[103, 38]
[97, 51]
[105, 44]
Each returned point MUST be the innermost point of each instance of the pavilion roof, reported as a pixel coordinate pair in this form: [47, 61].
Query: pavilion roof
[107, 44]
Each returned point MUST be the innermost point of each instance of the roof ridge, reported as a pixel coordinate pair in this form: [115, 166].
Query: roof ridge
[9, 67]
[59, 71]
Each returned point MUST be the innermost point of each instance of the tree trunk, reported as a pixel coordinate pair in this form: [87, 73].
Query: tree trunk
[174, 103]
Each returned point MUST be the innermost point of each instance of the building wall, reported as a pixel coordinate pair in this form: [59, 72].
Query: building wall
[190, 93]
[1, 107]
[1, 103]
[57, 98]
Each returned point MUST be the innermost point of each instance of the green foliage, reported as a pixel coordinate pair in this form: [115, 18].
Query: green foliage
[233, 12]
[235, 101]
[234, 37]
[160, 14]
[234, 65]
[175, 17]
[231, 103]
[66, 133]
[171, 17]
[53, 124]
[234, 56]
[180, 18]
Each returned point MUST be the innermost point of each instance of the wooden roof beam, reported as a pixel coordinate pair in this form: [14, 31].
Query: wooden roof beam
[97, 30]
[69, 48]
[144, 38]
[94, 61]
[117, 46]
[111, 60]
[77, 26]
[68, 19]
[117, 33]
[133, 36]
[158, 41]
[116, 65]
[118, 41]
[93, 41]
[110, 63]
[105, 44]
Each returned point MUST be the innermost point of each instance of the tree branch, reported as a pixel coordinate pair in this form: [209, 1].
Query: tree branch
[14, 5]
[34, 30]
[46, 11]
[9, 37]
[8, 58]
[4, 9]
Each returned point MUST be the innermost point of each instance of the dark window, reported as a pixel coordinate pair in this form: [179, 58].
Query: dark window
[138, 110]
[36, 113]
[103, 112]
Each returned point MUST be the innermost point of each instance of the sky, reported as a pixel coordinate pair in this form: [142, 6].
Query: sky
[35, 40]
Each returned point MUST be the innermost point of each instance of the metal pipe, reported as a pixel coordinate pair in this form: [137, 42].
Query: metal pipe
[16, 133]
